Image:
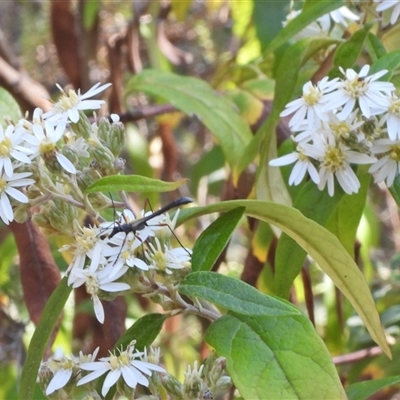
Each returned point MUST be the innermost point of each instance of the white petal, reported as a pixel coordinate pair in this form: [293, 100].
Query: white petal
[60, 379]
[98, 309]
[17, 195]
[5, 205]
[65, 163]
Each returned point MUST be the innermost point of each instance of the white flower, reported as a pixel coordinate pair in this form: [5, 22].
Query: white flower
[45, 143]
[302, 166]
[165, 259]
[63, 369]
[309, 107]
[69, 105]
[335, 162]
[386, 4]
[388, 165]
[392, 117]
[11, 147]
[8, 187]
[362, 89]
[125, 365]
[97, 281]
[87, 244]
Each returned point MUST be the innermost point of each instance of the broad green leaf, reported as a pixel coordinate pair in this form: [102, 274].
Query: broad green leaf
[39, 340]
[8, 107]
[213, 240]
[196, 97]
[289, 257]
[133, 183]
[275, 358]
[235, 295]
[321, 245]
[144, 331]
[348, 52]
[363, 390]
[309, 15]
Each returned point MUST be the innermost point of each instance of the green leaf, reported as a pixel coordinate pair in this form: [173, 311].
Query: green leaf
[275, 358]
[389, 61]
[144, 331]
[310, 14]
[213, 240]
[348, 52]
[323, 247]
[395, 190]
[375, 47]
[363, 390]
[37, 346]
[234, 295]
[195, 97]
[133, 183]
[270, 346]
[8, 107]
[289, 257]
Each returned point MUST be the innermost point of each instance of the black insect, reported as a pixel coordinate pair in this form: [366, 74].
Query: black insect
[141, 223]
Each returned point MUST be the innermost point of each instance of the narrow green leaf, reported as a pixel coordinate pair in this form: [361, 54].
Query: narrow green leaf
[389, 61]
[8, 107]
[310, 14]
[195, 97]
[213, 240]
[133, 183]
[323, 247]
[234, 295]
[50, 314]
[395, 190]
[375, 47]
[288, 359]
[289, 257]
[348, 52]
[363, 390]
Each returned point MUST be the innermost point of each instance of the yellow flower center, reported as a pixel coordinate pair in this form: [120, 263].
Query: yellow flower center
[334, 159]
[3, 185]
[86, 241]
[114, 362]
[356, 88]
[124, 358]
[67, 102]
[47, 147]
[313, 96]
[5, 147]
[160, 260]
[394, 152]
[394, 107]
[341, 130]
[92, 284]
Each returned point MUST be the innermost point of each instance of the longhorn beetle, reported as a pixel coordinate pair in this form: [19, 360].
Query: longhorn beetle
[141, 223]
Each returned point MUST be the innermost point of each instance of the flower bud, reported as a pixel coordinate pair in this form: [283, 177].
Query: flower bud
[70, 152]
[172, 386]
[101, 154]
[83, 127]
[113, 134]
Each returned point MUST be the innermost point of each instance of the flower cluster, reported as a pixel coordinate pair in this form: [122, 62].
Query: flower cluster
[341, 123]
[39, 148]
[129, 367]
[102, 260]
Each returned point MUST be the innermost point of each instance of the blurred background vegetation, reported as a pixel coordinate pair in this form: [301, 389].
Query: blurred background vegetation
[79, 43]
